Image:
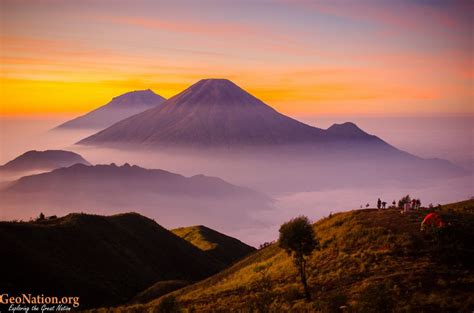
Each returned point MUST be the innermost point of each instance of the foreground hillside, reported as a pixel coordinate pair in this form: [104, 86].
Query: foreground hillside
[103, 260]
[369, 261]
[223, 248]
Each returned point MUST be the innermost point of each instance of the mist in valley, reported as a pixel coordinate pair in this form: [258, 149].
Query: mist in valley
[297, 184]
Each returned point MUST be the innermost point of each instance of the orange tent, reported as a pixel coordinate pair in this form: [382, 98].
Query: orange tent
[433, 220]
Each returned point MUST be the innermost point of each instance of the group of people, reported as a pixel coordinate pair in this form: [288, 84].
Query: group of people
[406, 204]
[414, 204]
[381, 204]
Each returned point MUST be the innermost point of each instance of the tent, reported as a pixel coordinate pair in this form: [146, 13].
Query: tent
[432, 220]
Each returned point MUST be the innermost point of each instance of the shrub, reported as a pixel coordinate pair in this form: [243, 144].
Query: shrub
[334, 303]
[169, 304]
[292, 294]
[375, 298]
[263, 298]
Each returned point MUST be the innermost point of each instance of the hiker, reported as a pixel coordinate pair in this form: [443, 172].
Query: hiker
[384, 205]
[406, 207]
[379, 204]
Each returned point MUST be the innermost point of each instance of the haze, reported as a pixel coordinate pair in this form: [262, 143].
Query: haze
[19, 135]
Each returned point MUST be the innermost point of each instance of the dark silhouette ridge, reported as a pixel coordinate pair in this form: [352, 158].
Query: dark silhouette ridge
[105, 260]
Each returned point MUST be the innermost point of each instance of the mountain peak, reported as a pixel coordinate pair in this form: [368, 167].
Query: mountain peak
[217, 83]
[350, 131]
[43, 160]
[216, 91]
[217, 112]
[136, 98]
[216, 80]
[346, 128]
[120, 107]
[211, 112]
[138, 92]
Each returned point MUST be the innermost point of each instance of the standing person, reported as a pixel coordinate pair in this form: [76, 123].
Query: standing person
[379, 203]
[407, 207]
[384, 205]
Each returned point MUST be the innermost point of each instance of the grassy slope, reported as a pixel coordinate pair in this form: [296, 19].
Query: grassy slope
[219, 246]
[369, 261]
[104, 260]
[158, 289]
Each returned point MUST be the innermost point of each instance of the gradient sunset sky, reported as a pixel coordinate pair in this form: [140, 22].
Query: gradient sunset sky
[301, 57]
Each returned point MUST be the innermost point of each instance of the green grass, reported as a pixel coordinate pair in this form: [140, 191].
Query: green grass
[159, 289]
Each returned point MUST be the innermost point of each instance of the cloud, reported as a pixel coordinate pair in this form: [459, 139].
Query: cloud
[419, 16]
[202, 28]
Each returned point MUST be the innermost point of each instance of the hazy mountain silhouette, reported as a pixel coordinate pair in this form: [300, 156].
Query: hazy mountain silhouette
[111, 189]
[219, 246]
[117, 109]
[43, 160]
[103, 260]
[216, 112]
[222, 125]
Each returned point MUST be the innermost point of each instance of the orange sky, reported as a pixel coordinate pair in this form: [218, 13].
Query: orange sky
[302, 57]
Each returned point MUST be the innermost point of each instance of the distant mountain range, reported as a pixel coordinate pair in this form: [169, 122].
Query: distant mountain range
[103, 260]
[216, 112]
[228, 126]
[43, 160]
[111, 189]
[117, 109]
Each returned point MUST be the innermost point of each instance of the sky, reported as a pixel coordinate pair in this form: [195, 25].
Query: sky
[396, 58]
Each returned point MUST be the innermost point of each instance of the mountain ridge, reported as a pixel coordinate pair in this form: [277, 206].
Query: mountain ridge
[368, 260]
[109, 171]
[214, 112]
[118, 108]
[224, 248]
[110, 189]
[104, 260]
[43, 160]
